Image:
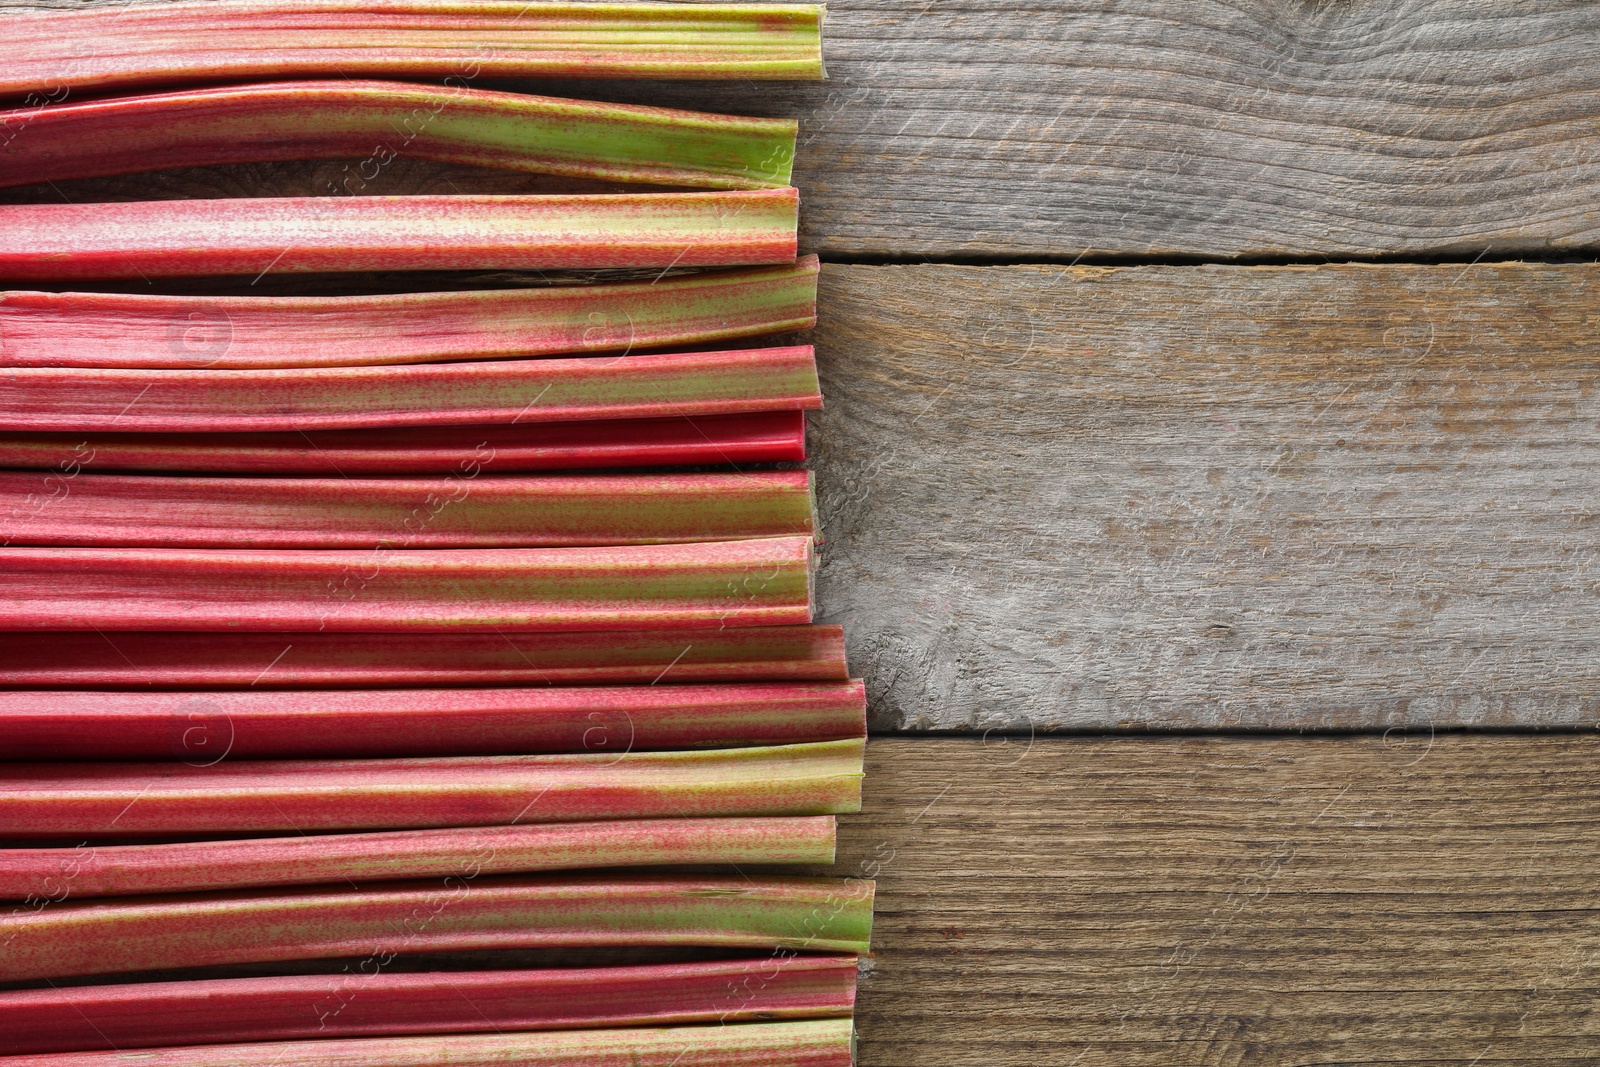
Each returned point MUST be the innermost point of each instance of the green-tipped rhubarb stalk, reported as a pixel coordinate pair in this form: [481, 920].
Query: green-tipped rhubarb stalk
[377, 121]
[51, 51]
[429, 394]
[218, 332]
[256, 236]
[761, 437]
[799, 1043]
[60, 874]
[461, 913]
[42, 800]
[65, 659]
[489, 511]
[701, 586]
[381, 1003]
[247, 725]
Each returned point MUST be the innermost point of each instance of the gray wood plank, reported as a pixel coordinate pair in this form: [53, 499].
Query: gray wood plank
[1162, 128]
[1167, 902]
[1213, 497]
[1208, 128]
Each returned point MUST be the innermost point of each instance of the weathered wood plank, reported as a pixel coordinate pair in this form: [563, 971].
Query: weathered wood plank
[1152, 128]
[1213, 497]
[1231, 903]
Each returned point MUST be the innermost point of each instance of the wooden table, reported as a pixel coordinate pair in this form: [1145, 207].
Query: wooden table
[1213, 397]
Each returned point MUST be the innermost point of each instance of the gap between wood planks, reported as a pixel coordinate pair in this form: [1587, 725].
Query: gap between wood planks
[1001, 735]
[1111, 260]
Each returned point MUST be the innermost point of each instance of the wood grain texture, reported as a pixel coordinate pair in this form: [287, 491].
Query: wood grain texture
[1144, 128]
[1209, 902]
[1200, 902]
[1213, 497]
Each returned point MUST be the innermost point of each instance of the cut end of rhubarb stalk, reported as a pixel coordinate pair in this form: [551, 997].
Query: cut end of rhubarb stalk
[822, 75]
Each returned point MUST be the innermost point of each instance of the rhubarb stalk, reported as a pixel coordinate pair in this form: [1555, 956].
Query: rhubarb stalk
[260, 235]
[51, 51]
[110, 799]
[68, 659]
[249, 724]
[222, 332]
[763, 437]
[149, 1014]
[701, 586]
[59, 874]
[78, 400]
[797, 1043]
[461, 913]
[490, 511]
[347, 119]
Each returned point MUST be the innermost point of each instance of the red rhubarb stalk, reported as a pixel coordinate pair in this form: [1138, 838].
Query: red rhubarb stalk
[763, 437]
[725, 583]
[378, 121]
[81, 400]
[286, 724]
[52, 51]
[222, 332]
[491, 511]
[261, 235]
[110, 799]
[460, 913]
[59, 874]
[796, 1043]
[68, 659]
[149, 1014]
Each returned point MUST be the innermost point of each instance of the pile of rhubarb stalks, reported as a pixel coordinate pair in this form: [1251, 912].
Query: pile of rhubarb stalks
[440, 661]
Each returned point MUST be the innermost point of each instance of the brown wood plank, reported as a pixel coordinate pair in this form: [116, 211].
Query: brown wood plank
[1231, 902]
[1213, 902]
[1213, 497]
[1150, 128]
